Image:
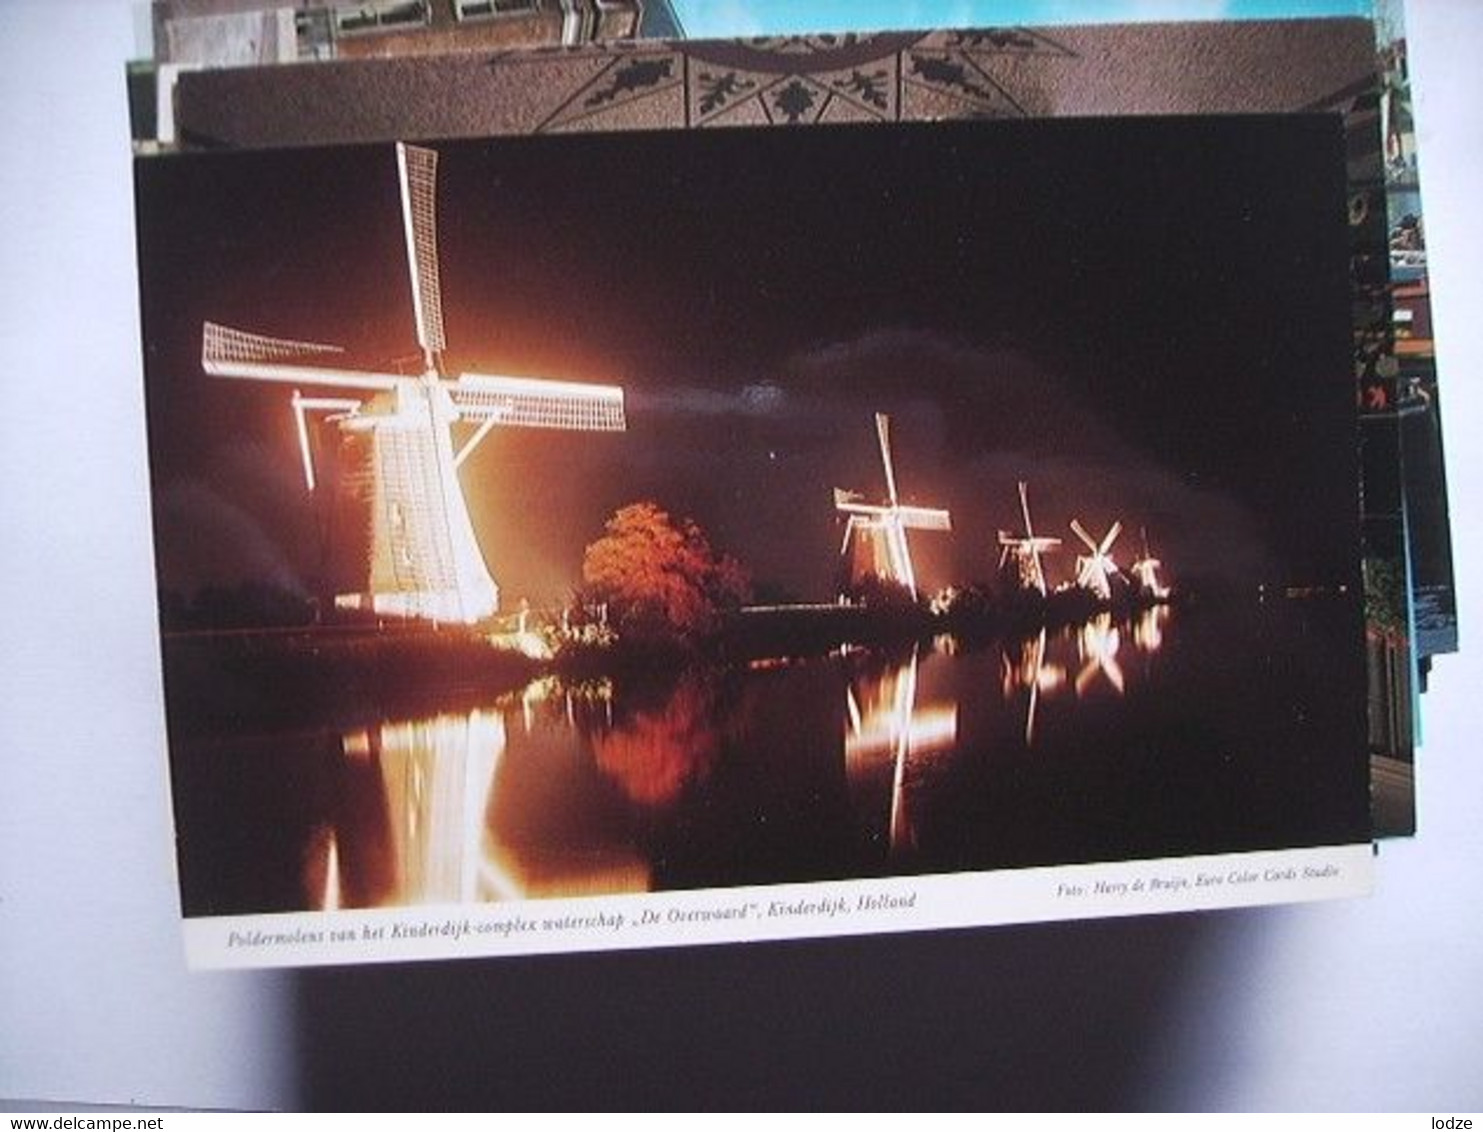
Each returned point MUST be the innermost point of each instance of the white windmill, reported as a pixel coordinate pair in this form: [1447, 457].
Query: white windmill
[1146, 572]
[421, 557]
[885, 525]
[1025, 550]
[1096, 569]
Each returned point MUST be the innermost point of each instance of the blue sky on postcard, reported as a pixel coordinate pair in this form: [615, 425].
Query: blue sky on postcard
[719, 18]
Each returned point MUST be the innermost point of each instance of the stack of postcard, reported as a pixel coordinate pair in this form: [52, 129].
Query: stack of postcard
[650, 491]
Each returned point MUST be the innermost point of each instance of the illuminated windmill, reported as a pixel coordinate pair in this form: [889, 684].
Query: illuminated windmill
[882, 528]
[1024, 551]
[396, 444]
[1146, 572]
[1095, 570]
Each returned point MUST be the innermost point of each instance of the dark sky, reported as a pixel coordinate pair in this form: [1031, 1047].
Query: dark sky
[1147, 319]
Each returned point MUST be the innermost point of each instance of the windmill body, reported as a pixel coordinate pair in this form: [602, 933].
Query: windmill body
[1024, 553]
[413, 546]
[398, 466]
[878, 531]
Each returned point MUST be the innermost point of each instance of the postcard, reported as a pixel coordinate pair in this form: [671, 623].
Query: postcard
[1417, 395]
[1276, 66]
[1107, 70]
[589, 541]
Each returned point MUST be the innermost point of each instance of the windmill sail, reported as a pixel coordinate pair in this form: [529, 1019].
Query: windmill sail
[883, 431]
[227, 352]
[417, 169]
[924, 518]
[536, 403]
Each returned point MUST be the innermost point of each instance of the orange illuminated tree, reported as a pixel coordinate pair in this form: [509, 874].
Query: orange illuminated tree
[660, 578]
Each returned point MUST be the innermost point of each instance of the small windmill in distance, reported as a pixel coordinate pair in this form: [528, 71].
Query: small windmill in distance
[1096, 569]
[1146, 572]
[883, 527]
[1024, 551]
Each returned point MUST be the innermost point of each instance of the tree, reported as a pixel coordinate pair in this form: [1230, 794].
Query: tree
[660, 577]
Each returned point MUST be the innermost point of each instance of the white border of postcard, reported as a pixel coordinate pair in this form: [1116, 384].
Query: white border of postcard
[780, 912]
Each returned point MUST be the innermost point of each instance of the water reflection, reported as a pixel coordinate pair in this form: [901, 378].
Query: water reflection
[410, 828]
[657, 750]
[1148, 628]
[887, 728]
[417, 820]
[323, 883]
[1097, 642]
[781, 771]
[1024, 667]
[1087, 659]
[587, 705]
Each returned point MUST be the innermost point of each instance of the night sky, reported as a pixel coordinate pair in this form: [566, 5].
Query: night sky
[1146, 319]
